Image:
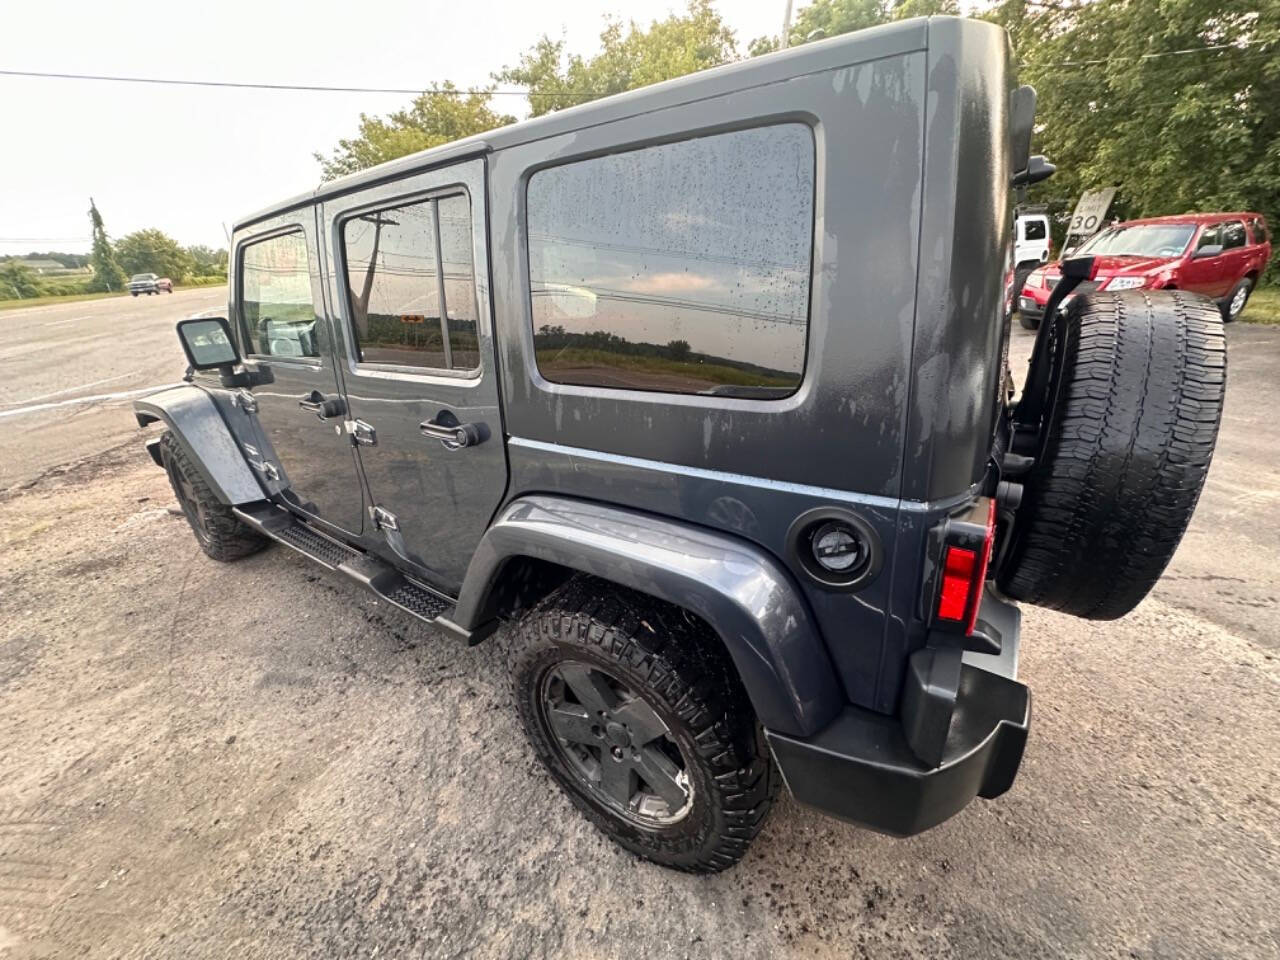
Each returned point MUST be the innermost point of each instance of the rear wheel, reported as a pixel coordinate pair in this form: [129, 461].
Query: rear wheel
[638, 715]
[1028, 323]
[1139, 380]
[219, 532]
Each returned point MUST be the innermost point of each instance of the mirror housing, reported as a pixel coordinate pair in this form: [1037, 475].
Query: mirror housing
[207, 343]
[1208, 250]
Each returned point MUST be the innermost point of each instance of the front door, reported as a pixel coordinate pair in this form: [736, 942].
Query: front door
[306, 455]
[407, 264]
[1203, 275]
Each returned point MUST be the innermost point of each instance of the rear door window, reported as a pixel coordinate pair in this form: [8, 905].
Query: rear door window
[410, 285]
[682, 267]
[1259, 230]
[1233, 235]
[1034, 229]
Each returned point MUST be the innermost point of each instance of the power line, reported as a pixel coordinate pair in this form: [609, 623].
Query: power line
[165, 81]
[1150, 56]
[500, 92]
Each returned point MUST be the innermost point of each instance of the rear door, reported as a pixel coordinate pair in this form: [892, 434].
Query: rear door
[407, 264]
[305, 456]
[1236, 255]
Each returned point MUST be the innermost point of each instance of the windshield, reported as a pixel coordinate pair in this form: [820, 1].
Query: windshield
[1141, 240]
[143, 276]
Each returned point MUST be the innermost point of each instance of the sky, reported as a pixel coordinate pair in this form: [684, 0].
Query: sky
[190, 160]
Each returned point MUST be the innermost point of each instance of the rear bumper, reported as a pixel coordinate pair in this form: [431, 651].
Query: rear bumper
[861, 767]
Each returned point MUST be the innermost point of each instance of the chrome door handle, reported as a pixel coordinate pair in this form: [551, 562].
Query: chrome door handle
[454, 435]
[323, 407]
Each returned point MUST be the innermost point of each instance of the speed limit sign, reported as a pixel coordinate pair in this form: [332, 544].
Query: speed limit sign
[1091, 212]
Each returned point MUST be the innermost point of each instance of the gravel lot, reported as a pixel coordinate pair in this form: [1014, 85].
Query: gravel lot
[260, 760]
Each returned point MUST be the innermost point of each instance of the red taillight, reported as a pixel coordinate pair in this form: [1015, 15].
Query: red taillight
[964, 569]
[957, 576]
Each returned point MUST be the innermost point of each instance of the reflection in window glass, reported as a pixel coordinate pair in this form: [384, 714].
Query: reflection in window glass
[682, 267]
[391, 282]
[459, 281]
[1212, 236]
[394, 284]
[275, 299]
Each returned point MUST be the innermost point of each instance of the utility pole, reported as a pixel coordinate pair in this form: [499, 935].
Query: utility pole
[786, 25]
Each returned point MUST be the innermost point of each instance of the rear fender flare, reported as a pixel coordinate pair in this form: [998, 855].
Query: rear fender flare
[193, 418]
[739, 590]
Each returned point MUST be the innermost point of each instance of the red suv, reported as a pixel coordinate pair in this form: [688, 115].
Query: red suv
[1220, 255]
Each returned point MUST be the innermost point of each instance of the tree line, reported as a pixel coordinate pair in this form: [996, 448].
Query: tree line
[143, 251]
[1171, 101]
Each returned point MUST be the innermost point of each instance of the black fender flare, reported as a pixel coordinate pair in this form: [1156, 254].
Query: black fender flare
[742, 592]
[192, 417]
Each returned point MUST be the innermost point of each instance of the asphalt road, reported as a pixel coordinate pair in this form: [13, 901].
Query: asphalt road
[261, 760]
[71, 369]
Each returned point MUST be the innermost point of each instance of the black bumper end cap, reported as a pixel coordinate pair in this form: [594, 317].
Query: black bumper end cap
[860, 768]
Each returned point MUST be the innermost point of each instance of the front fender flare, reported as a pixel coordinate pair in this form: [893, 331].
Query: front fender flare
[193, 418]
[746, 596]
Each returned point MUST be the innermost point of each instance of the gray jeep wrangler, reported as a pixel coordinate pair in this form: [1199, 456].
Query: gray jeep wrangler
[703, 389]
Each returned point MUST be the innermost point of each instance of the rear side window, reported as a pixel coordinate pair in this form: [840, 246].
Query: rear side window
[1233, 235]
[1034, 229]
[410, 285]
[681, 268]
[276, 309]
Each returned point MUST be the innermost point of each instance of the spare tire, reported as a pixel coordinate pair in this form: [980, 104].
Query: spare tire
[1139, 379]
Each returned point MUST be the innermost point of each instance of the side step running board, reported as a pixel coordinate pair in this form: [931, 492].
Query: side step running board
[381, 578]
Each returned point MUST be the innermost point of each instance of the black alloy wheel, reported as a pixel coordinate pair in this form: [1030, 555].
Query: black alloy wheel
[620, 749]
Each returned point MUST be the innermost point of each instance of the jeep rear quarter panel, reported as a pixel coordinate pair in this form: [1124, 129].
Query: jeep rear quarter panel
[893, 416]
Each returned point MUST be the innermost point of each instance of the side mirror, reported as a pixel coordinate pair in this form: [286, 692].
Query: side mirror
[1208, 250]
[207, 343]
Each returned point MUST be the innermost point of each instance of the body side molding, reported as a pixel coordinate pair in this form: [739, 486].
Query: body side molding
[742, 592]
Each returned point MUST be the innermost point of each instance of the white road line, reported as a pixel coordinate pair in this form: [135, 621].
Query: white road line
[99, 398]
[54, 323]
[58, 393]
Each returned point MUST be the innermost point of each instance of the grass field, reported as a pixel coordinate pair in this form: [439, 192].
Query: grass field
[1264, 306]
[77, 297]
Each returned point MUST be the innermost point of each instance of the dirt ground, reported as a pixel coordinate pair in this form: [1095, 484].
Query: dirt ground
[261, 760]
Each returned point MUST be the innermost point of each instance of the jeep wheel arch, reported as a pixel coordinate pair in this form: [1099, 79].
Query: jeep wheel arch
[741, 592]
[198, 428]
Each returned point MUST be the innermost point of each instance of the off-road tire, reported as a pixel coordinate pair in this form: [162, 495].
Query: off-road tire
[1246, 286]
[1143, 375]
[219, 532]
[680, 669]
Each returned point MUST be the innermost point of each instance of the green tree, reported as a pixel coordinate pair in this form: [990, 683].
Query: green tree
[153, 251]
[433, 118]
[18, 281]
[107, 274]
[628, 59]
[207, 262]
[1119, 104]
[831, 18]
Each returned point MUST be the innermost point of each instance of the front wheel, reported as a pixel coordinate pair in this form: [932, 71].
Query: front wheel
[221, 534]
[1236, 300]
[637, 713]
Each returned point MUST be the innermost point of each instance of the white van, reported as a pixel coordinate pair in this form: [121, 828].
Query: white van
[1031, 242]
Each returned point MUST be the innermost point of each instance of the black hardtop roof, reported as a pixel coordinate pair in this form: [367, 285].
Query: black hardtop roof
[861, 46]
